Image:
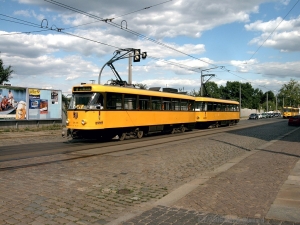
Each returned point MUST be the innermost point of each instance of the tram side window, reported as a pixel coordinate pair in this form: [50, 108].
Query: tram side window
[130, 102]
[144, 102]
[200, 106]
[156, 103]
[176, 104]
[214, 106]
[191, 106]
[167, 104]
[209, 106]
[184, 105]
[222, 107]
[114, 101]
[226, 107]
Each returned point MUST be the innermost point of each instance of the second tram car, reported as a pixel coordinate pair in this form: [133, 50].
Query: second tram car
[106, 111]
[212, 112]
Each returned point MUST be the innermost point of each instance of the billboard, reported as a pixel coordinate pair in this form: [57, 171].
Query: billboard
[19, 103]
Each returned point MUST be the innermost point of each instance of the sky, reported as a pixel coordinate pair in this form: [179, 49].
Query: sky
[58, 44]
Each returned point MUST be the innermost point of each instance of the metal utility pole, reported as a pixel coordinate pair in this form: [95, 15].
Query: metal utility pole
[276, 103]
[202, 79]
[130, 69]
[267, 103]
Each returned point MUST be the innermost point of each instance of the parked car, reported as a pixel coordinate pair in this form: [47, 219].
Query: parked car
[277, 114]
[259, 116]
[264, 115]
[294, 120]
[253, 116]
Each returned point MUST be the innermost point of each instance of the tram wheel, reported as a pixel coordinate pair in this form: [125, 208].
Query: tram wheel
[122, 136]
[173, 131]
[139, 134]
[182, 129]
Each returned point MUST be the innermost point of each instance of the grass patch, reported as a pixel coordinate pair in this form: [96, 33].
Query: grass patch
[32, 128]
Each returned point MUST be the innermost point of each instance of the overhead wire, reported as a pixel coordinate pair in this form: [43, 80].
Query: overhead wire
[109, 21]
[88, 39]
[194, 69]
[274, 30]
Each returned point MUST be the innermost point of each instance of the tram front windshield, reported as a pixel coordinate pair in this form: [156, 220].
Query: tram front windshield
[88, 100]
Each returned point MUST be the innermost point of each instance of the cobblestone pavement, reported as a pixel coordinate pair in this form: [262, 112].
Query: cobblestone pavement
[99, 189]
[162, 215]
[246, 191]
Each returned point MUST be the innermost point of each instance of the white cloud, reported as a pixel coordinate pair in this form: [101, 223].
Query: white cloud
[285, 38]
[178, 24]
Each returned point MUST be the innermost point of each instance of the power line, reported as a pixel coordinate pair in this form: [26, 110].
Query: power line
[155, 58]
[109, 21]
[173, 63]
[274, 30]
[73, 9]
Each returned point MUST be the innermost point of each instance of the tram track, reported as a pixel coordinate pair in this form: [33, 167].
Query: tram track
[75, 152]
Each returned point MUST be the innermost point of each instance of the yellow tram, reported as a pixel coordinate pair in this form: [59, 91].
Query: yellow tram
[290, 111]
[212, 112]
[106, 111]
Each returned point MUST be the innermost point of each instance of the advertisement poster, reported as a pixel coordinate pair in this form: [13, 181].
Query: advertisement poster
[12, 103]
[19, 103]
[44, 104]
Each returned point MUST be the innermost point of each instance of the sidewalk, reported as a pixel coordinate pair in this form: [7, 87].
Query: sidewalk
[260, 187]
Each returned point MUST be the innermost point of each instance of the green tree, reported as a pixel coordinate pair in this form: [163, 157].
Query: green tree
[194, 93]
[290, 93]
[141, 86]
[5, 73]
[250, 97]
[66, 102]
[212, 90]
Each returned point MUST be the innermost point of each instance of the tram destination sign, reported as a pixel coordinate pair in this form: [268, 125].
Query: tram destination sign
[82, 88]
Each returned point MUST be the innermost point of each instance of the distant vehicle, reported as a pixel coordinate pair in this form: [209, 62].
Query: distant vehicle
[290, 111]
[253, 116]
[294, 121]
[259, 116]
[264, 115]
[277, 115]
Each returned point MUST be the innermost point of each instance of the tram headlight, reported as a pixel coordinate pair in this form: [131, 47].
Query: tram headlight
[67, 122]
[83, 122]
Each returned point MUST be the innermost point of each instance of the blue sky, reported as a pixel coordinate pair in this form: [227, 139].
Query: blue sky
[253, 41]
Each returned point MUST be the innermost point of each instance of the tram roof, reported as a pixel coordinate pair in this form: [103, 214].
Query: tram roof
[129, 90]
[207, 99]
